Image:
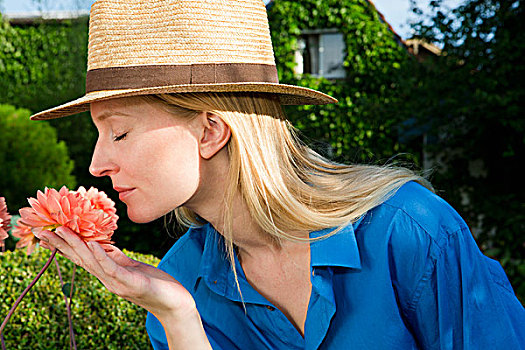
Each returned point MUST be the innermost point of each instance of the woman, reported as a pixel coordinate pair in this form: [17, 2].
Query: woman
[286, 250]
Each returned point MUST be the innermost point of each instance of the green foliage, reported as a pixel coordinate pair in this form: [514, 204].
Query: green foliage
[101, 320]
[362, 121]
[30, 157]
[43, 65]
[470, 100]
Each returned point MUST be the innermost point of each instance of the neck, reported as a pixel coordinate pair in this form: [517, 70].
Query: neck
[208, 202]
[246, 234]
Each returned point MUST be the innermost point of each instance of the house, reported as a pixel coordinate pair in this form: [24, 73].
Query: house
[421, 49]
[342, 47]
[321, 51]
[29, 18]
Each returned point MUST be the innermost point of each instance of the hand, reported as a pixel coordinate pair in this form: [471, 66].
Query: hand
[140, 283]
[137, 282]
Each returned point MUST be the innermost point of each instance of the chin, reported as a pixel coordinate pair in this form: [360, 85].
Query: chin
[141, 218]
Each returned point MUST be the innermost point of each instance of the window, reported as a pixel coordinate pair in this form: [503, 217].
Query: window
[321, 53]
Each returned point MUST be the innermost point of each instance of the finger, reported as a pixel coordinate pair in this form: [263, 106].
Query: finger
[117, 255]
[42, 239]
[52, 241]
[44, 245]
[107, 264]
[84, 252]
[114, 277]
[56, 240]
[78, 246]
[68, 235]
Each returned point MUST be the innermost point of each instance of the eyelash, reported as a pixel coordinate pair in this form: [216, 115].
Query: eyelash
[120, 137]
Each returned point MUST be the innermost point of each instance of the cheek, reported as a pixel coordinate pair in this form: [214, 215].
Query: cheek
[181, 167]
[169, 167]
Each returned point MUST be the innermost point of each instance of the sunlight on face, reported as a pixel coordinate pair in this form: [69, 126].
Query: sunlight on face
[151, 156]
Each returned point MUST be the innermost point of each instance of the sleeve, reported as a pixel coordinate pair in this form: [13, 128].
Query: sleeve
[465, 301]
[156, 333]
[158, 340]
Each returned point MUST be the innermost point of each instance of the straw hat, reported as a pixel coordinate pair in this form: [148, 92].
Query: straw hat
[141, 47]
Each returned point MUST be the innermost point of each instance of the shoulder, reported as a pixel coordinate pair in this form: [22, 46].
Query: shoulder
[183, 259]
[416, 206]
[414, 223]
[417, 227]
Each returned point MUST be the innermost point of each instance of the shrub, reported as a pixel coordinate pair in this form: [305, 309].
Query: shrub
[101, 320]
[30, 157]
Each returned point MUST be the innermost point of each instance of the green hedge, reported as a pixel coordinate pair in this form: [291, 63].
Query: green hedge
[43, 64]
[101, 319]
[31, 158]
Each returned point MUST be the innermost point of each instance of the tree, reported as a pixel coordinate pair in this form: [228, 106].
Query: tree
[470, 101]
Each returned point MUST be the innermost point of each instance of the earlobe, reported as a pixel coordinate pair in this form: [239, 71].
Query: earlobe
[215, 136]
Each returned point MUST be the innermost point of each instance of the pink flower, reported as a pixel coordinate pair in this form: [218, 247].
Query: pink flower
[27, 238]
[91, 214]
[5, 221]
[99, 200]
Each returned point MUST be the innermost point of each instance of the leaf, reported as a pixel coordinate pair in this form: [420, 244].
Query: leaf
[66, 289]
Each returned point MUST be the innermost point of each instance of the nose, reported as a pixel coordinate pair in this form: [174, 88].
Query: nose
[102, 163]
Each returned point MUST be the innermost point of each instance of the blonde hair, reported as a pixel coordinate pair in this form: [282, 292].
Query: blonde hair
[286, 185]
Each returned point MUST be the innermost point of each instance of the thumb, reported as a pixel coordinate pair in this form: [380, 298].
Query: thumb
[38, 231]
[64, 230]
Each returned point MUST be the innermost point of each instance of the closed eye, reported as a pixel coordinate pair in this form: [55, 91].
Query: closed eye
[120, 137]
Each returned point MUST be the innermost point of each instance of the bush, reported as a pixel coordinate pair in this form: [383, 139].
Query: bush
[30, 157]
[101, 320]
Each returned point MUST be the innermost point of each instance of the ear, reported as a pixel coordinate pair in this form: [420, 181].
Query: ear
[215, 136]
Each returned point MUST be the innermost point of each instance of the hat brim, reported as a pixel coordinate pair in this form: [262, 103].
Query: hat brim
[288, 95]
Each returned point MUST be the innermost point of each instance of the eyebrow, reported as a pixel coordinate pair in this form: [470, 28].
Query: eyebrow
[107, 114]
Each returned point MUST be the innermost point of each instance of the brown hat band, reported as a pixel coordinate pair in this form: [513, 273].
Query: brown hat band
[137, 77]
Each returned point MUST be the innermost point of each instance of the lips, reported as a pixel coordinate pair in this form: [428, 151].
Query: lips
[124, 192]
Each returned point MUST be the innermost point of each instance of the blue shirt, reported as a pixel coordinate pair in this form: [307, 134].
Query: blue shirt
[408, 275]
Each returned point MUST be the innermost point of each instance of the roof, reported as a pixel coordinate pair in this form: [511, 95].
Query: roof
[417, 44]
[381, 17]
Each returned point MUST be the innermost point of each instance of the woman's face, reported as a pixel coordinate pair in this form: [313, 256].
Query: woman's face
[151, 156]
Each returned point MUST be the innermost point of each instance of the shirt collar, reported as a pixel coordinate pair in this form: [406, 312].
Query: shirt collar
[339, 250]
[216, 272]
[214, 264]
